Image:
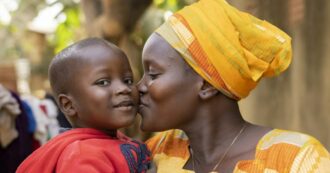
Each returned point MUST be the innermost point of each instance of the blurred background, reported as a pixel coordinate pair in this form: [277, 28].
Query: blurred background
[33, 31]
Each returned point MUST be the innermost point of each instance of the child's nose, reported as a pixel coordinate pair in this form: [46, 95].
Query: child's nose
[122, 89]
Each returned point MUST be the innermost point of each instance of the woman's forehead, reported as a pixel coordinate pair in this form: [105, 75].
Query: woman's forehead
[157, 49]
[157, 44]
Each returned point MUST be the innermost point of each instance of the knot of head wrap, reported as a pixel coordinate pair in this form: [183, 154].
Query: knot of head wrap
[230, 49]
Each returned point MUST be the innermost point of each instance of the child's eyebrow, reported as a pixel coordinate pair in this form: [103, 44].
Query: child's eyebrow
[101, 69]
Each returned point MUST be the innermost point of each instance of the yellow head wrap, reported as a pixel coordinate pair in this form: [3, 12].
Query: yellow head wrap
[230, 49]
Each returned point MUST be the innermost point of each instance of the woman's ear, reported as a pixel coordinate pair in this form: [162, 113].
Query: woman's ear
[207, 91]
[66, 105]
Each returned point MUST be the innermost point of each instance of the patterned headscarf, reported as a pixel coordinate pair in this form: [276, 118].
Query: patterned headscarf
[230, 49]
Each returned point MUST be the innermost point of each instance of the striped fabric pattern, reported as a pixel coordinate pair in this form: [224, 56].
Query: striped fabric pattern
[278, 151]
[230, 49]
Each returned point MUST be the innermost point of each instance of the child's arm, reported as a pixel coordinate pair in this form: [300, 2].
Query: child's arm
[73, 159]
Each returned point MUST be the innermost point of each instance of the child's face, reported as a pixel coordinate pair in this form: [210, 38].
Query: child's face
[104, 95]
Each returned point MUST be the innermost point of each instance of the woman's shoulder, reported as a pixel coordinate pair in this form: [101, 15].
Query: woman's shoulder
[283, 138]
[296, 151]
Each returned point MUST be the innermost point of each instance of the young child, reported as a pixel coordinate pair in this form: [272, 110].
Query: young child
[93, 83]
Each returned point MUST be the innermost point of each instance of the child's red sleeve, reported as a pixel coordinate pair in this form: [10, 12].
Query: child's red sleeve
[77, 159]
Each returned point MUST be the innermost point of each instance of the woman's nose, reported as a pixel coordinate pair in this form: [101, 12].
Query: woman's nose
[141, 85]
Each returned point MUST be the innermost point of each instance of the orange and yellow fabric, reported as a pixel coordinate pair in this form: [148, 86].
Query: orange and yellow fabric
[230, 49]
[278, 151]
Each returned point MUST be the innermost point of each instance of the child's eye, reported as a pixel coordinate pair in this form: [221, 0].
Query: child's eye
[103, 82]
[128, 81]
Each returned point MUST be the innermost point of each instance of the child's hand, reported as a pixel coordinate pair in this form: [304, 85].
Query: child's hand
[152, 169]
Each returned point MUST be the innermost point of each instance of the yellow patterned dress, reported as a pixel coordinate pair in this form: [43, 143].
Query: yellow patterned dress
[278, 151]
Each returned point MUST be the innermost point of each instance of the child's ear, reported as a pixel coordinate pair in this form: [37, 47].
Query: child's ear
[207, 91]
[66, 105]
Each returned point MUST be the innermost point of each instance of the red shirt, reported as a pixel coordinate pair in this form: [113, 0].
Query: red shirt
[88, 150]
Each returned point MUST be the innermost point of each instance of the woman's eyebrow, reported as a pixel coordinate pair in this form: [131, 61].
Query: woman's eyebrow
[153, 63]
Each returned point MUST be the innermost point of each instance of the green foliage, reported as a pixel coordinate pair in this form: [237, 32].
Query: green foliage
[172, 5]
[155, 16]
[66, 32]
[13, 33]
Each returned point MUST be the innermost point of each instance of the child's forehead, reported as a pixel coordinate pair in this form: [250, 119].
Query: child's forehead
[100, 48]
[99, 53]
[103, 57]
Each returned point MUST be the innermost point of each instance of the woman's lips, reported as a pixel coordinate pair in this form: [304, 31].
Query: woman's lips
[142, 105]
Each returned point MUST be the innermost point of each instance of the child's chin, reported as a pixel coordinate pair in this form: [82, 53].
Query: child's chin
[130, 119]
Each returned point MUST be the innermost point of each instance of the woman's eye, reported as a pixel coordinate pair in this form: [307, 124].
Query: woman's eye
[153, 76]
[129, 81]
[103, 82]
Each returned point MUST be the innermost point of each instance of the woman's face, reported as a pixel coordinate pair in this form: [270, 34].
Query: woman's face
[169, 87]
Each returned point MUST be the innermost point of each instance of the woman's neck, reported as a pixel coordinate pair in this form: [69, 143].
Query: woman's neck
[213, 130]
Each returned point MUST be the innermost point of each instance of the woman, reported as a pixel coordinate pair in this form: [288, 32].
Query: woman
[197, 65]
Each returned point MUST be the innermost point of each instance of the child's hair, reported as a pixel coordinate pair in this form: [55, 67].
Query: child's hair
[63, 67]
